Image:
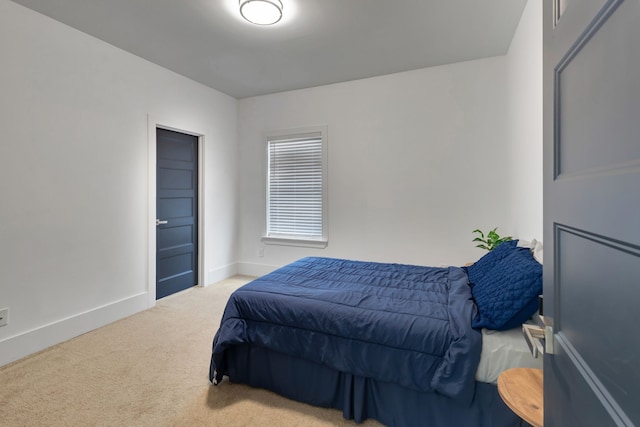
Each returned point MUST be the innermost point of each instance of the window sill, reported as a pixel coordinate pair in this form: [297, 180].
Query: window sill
[287, 241]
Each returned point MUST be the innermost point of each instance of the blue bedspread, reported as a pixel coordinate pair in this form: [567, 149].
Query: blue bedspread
[402, 324]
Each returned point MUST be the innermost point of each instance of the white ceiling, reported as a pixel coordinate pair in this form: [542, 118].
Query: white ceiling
[317, 42]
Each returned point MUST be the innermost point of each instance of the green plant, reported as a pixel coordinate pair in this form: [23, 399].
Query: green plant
[491, 240]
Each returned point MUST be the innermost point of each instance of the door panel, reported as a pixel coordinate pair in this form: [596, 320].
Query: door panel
[177, 203]
[603, 285]
[176, 207]
[176, 179]
[597, 96]
[592, 211]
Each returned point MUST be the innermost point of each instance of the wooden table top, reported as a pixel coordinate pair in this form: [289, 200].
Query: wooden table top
[522, 391]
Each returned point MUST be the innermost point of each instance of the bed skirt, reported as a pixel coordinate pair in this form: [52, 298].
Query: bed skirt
[361, 398]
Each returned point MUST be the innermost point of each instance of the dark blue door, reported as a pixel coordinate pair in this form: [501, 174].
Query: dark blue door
[177, 212]
[592, 212]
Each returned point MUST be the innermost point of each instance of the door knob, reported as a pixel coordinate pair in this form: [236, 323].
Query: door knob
[158, 222]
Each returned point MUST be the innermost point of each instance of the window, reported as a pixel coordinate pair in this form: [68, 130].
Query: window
[297, 187]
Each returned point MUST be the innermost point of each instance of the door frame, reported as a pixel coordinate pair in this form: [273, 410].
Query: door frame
[152, 124]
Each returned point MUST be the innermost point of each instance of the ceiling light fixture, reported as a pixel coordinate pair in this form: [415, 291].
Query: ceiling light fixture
[261, 12]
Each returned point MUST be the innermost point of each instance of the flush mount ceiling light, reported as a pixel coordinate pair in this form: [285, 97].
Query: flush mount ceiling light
[261, 12]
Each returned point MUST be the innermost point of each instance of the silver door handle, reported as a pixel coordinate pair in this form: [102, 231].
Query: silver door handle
[539, 337]
[158, 222]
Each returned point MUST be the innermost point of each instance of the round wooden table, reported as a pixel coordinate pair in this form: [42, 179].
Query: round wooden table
[521, 389]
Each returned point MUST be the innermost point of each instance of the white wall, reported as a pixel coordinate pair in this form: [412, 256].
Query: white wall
[524, 65]
[417, 160]
[74, 177]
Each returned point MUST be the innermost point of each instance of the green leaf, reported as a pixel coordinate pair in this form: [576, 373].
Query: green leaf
[491, 240]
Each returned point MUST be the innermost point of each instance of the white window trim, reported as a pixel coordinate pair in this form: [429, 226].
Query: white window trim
[323, 241]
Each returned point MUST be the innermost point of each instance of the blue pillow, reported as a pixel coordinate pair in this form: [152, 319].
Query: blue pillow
[481, 267]
[507, 294]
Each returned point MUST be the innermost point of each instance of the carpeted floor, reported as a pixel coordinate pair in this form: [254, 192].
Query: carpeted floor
[150, 369]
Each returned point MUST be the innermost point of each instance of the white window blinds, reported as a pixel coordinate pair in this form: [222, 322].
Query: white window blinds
[295, 187]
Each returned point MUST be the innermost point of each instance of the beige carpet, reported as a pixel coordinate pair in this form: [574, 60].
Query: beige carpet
[150, 369]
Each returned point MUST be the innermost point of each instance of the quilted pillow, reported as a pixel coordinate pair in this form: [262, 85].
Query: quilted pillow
[507, 294]
[481, 267]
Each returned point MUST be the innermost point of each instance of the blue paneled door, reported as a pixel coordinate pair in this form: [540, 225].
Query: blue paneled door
[591, 212]
[177, 212]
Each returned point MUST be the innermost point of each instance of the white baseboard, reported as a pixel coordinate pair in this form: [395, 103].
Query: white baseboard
[256, 270]
[26, 343]
[29, 342]
[221, 273]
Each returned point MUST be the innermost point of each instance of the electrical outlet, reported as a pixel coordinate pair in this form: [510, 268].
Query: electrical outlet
[4, 316]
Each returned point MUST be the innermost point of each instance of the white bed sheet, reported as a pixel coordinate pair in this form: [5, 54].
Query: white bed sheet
[503, 350]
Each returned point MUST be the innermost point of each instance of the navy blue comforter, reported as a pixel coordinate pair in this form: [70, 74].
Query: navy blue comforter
[402, 324]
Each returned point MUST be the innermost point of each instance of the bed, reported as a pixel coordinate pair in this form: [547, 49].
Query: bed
[398, 343]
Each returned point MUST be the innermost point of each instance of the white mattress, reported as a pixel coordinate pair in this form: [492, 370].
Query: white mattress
[503, 350]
